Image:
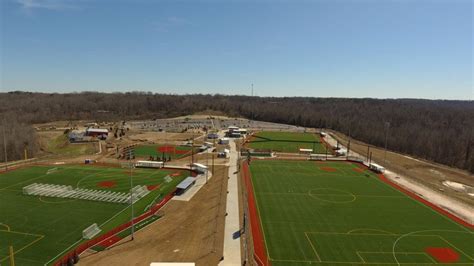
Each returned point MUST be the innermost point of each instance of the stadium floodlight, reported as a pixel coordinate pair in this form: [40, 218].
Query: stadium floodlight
[387, 126]
[131, 195]
[5, 143]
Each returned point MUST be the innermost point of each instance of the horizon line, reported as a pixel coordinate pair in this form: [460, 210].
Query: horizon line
[231, 95]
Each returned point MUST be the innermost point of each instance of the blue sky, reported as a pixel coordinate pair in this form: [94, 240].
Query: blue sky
[340, 48]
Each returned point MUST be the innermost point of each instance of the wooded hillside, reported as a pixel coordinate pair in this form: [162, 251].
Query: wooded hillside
[436, 130]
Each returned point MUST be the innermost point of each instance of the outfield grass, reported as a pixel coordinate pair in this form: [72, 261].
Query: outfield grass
[333, 213]
[286, 141]
[41, 227]
[176, 152]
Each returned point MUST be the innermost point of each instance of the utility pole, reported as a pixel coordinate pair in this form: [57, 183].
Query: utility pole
[26, 152]
[368, 150]
[131, 193]
[5, 143]
[252, 117]
[192, 150]
[214, 142]
[192, 156]
[348, 149]
[207, 163]
[387, 126]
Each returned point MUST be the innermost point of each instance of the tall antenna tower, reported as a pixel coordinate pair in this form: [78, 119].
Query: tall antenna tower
[252, 89]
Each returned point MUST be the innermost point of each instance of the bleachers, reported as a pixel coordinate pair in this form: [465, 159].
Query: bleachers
[66, 191]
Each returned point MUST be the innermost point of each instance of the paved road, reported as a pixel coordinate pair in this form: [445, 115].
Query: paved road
[232, 223]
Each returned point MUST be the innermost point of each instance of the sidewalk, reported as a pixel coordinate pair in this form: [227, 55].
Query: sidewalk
[232, 254]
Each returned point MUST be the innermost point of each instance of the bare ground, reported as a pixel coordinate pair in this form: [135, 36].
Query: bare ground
[191, 231]
[161, 137]
[422, 177]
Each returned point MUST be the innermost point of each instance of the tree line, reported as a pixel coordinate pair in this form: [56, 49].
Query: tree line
[437, 130]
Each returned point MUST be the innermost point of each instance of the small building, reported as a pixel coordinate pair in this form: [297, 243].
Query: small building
[224, 154]
[322, 134]
[185, 185]
[306, 151]
[234, 135]
[149, 164]
[317, 157]
[242, 131]
[376, 168]
[212, 136]
[232, 129]
[97, 132]
[91, 124]
[224, 141]
[76, 136]
[341, 152]
[200, 168]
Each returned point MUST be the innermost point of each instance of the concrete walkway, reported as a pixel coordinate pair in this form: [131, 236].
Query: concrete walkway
[232, 223]
[200, 182]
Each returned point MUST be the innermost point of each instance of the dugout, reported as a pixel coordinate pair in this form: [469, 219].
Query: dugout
[317, 157]
[376, 168]
[185, 185]
[149, 164]
[306, 151]
[200, 168]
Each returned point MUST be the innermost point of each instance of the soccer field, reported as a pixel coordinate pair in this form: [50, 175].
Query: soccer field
[39, 227]
[286, 141]
[176, 152]
[338, 213]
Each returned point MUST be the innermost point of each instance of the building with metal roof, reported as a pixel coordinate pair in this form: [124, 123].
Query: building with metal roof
[185, 185]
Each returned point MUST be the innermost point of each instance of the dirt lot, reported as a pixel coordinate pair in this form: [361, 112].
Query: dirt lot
[190, 231]
[427, 173]
[161, 137]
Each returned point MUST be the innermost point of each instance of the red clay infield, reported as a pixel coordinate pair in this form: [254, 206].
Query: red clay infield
[106, 184]
[152, 187]
[444, 255]
[170, 149]
[358, 170]
[328, 169]
[176, 174]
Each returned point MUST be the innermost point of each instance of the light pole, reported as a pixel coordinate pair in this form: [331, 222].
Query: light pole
[387, 126]
[131, 194]
[192, 156]
[5, 144]
[212, 154]
[207, 163]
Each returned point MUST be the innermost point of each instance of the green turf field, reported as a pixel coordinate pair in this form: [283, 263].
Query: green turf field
[339, 215]
[41, 227]
[176, 152]
[286, 141]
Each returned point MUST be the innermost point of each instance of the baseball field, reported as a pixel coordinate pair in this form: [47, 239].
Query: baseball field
[39, 227]
[286, 141]
[175, 152]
